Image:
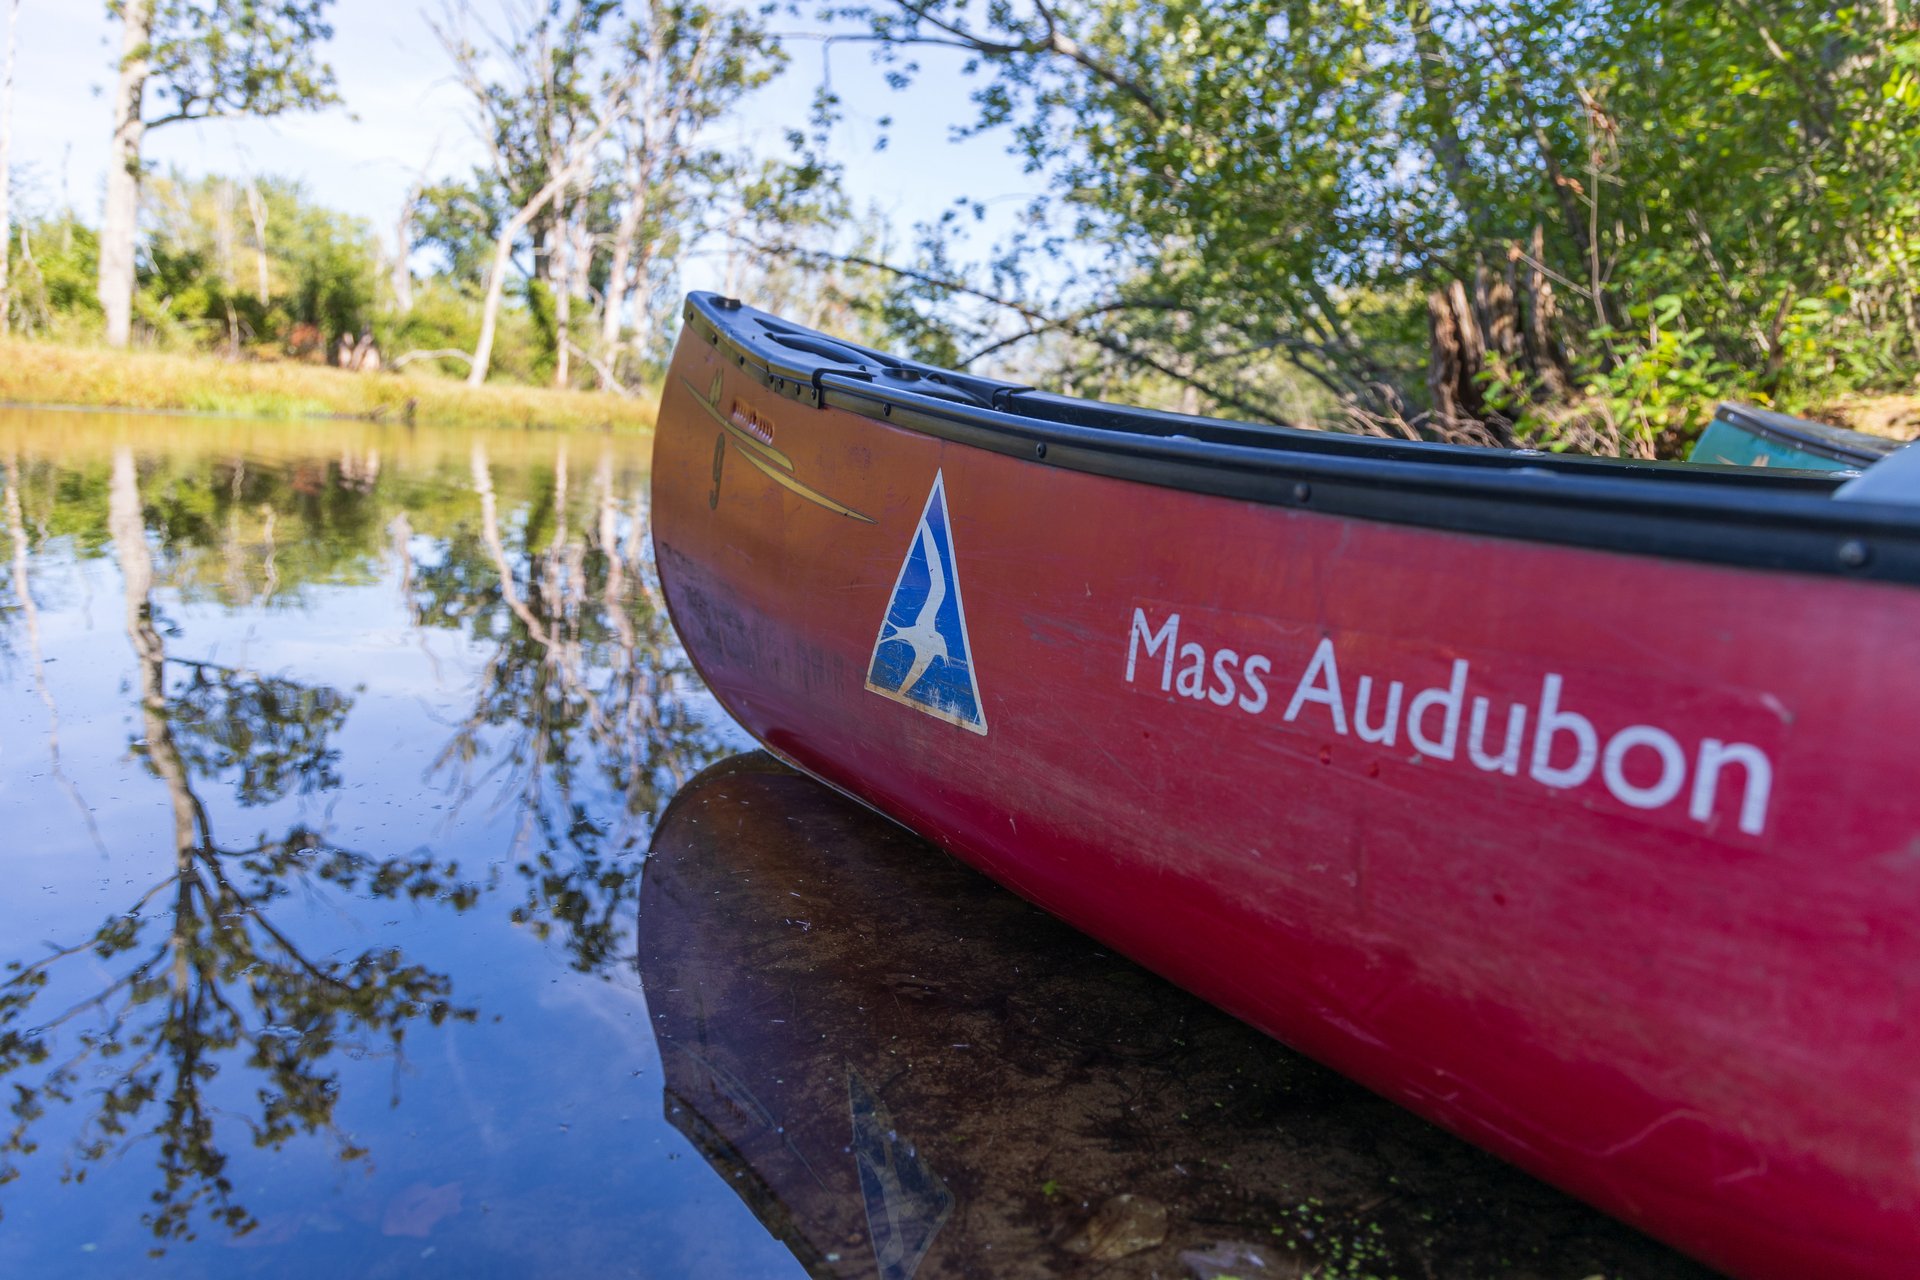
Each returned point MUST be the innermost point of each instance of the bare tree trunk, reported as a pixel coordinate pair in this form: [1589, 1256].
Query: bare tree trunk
[641, 290]
[257, 211]
[1500, 336]
[1457, 359]
[6, 175]
[731, 284]
[608, 380]
[1544, 353]
[1446, 358]
[1499, 314]
[642, 299]
[118, 226]
[624, 236]
[637, 172]
[658, 148]
[503, 247]
[563, 269]
[224, 237]
[496, 291]
[402, 277]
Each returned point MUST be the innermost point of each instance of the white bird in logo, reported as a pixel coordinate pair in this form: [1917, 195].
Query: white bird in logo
[926, 642]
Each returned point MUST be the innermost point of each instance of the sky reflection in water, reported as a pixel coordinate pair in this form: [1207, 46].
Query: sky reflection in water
[329, 760]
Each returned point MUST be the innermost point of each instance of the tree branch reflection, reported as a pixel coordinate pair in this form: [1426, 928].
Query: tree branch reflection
[215, 1017]
[30, 613]
[211, 1015]
[581, 721]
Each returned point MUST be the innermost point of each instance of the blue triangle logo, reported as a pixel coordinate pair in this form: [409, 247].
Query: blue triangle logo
[922, 657]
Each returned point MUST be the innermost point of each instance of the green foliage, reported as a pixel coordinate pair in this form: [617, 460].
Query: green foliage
[55, 263]
[1284, 182]
[543, 322]
[208, 276]
[213, 58]
[444, 317]
[656, 75]
[458, 222]
[1663, 385]
[1765, 180]
[331, 264]
[261, 270]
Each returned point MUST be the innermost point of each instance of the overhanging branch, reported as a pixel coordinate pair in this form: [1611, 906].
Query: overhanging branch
[1073, 324]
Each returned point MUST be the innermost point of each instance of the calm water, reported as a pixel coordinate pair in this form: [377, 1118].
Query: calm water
[331, 758]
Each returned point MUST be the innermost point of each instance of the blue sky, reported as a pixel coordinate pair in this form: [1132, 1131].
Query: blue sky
[402, 110]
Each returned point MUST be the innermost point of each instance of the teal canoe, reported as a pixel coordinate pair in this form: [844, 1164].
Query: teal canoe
[1743, 436]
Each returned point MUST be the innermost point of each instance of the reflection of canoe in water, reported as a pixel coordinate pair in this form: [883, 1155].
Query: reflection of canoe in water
[905, 1070]
[1745, 436]
[1568, 802]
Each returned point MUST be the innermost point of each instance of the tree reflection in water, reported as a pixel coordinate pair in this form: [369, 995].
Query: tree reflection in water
[195, 1055]
[580, 721]
[207, 1016]
[20, 582]
[204, 980]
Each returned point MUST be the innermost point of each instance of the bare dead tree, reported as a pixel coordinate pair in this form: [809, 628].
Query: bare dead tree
[123, 171]
[257, 213]
[575, 164]
[670, 93]
[6, 172]
[572, 263]
[543, 124]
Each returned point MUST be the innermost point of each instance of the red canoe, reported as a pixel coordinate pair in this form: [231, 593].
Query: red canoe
[1567, 802]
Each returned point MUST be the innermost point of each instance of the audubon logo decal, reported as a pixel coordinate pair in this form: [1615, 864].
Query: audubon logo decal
[922, 657]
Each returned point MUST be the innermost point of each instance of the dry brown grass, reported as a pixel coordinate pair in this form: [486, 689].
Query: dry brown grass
[1895, 417]
[46, 374]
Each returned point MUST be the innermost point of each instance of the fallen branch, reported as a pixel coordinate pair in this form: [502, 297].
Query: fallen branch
[608, 381]
[401, 362]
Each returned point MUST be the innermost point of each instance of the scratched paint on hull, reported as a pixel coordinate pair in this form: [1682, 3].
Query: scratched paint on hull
[766, 459]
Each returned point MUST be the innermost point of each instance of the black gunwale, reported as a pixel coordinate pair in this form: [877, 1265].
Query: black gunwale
[1747, 517]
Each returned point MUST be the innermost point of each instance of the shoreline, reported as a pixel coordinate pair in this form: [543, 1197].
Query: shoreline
[42, 375]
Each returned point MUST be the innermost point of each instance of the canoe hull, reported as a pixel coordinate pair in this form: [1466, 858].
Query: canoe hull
[1655, 944]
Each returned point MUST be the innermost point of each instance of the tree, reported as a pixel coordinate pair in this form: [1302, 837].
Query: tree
[457, 222]
[582, 691]
[201, 60]
[1576, 217]
[542, 117]
[6, 172]
[693, 64]
[547, 96]
[574, 165]
[311, 266]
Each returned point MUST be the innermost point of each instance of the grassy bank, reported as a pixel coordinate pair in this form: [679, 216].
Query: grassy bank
[1896, 417]
[45, 374]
